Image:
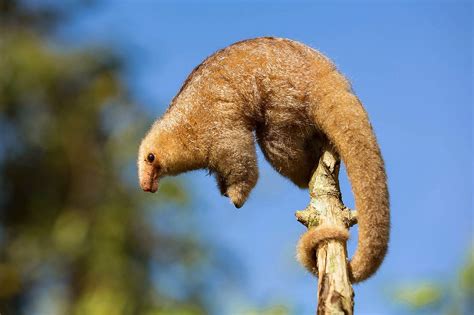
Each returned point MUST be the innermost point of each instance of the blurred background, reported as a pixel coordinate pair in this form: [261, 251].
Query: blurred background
[81, 82]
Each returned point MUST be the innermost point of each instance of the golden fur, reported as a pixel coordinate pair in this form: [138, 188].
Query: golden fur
[307, 246]
[291, 100]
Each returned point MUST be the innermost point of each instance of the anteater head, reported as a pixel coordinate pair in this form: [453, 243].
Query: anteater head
[150, 164]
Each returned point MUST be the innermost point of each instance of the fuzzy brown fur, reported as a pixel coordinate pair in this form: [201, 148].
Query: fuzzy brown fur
[290, 99]
[307, 246]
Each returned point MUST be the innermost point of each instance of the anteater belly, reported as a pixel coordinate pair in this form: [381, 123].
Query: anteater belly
[292, 148]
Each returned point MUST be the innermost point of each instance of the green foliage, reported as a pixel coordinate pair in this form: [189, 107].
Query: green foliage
[466, 276]
[75, 235]
[272, 310]
[419, 295]
[452, 298]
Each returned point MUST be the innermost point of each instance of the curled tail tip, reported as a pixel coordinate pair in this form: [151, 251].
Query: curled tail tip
[364, 264]
[309, 241]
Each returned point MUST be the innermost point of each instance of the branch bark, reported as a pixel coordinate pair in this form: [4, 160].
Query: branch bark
[335, 293]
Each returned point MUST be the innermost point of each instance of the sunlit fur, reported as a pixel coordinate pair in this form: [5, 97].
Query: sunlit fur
[307, 245]
[291, 100]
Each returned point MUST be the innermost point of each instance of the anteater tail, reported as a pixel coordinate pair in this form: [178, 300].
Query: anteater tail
[340, 115]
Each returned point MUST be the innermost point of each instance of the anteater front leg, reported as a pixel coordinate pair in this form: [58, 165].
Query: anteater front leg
[221, 184]
[234, 159]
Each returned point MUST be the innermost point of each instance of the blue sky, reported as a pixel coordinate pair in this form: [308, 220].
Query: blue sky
[411, 65]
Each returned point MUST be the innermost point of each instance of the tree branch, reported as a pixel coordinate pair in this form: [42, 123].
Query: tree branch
[335, 293]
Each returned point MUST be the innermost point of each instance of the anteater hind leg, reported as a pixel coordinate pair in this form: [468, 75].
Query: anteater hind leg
[234, 160]
[292, 150]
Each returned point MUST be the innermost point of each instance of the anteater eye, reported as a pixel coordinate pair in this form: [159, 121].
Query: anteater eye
[150, 157]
